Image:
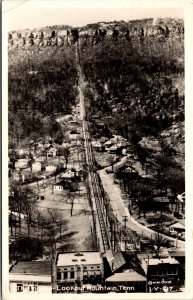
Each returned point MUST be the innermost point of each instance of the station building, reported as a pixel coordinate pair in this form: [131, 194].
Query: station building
[77, 269]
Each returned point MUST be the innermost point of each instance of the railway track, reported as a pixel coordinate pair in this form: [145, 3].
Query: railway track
[95, 192]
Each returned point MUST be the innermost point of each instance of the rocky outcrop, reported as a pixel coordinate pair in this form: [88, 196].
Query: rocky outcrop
[131, 31]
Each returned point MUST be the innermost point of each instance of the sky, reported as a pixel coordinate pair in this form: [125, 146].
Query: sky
[20, 14]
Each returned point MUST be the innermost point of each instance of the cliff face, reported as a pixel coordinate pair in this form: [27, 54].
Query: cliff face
[142, 31]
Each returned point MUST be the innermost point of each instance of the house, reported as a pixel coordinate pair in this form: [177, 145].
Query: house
[22, 175]
[108, 144]
[26, 175]
[112, 149]
[68, 176]
[74, 269]
[177, 227]
[22, 163]
[58, 187]
[161, 272]
[122, 144]
[127, 281]
[36, 166]
[98, 146]
[30, 277]
[50, 168]
[127, 172]
[51, 152]
[157, 203]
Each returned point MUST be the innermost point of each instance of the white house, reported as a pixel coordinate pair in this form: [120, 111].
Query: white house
[22, 163]
[36, 166]
[50, 168]
[58, 187]
[30, 277]
[52, 152]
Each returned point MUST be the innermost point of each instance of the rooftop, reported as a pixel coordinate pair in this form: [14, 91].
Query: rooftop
[177, 225]
[127, 276]
[29, 277]
[160, 199]
[32, 268]
[157, 261]
[71, 259]
[177, 253]
[115, 259]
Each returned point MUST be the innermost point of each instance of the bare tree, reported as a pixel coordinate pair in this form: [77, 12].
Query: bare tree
[112, 160]
[16, 204]
[66, 154]
[157, 241]
[71, 198]
[30, 208]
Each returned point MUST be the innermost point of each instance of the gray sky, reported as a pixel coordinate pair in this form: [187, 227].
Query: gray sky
[31, 14]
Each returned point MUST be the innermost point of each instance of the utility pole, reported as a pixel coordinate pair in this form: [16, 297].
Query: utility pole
[111, 230]
[125, 222]
[125, 228]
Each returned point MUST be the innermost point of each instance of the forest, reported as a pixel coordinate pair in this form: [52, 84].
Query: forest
[41, 85]
[136, 89]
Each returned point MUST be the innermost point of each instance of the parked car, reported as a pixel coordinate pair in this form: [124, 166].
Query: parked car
[109, 170]
[173, 233]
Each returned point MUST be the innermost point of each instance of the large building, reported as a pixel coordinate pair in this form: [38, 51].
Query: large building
[162, 273]
[77, 270]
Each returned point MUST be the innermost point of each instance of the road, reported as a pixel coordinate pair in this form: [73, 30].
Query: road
[120, 210]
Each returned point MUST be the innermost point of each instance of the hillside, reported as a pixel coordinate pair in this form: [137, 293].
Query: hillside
[135, 81]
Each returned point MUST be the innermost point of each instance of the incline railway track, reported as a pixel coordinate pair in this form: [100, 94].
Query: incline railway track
[95, 192]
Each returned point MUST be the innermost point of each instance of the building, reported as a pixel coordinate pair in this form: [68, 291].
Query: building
[50, 168]
[58, 187]
[22, 163]
[126, 172]
[98, 146]
[177, 229]
[161, 272]
[156, 203]
[30, 277]
[52, 152]
[179, 255]
[26, 175]
[112, 149]
[68, 176]
[23, 175]
[108, 144]
[121, 276]
[36, 166]
[115, 260]
[77, 270]
[127, 281]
